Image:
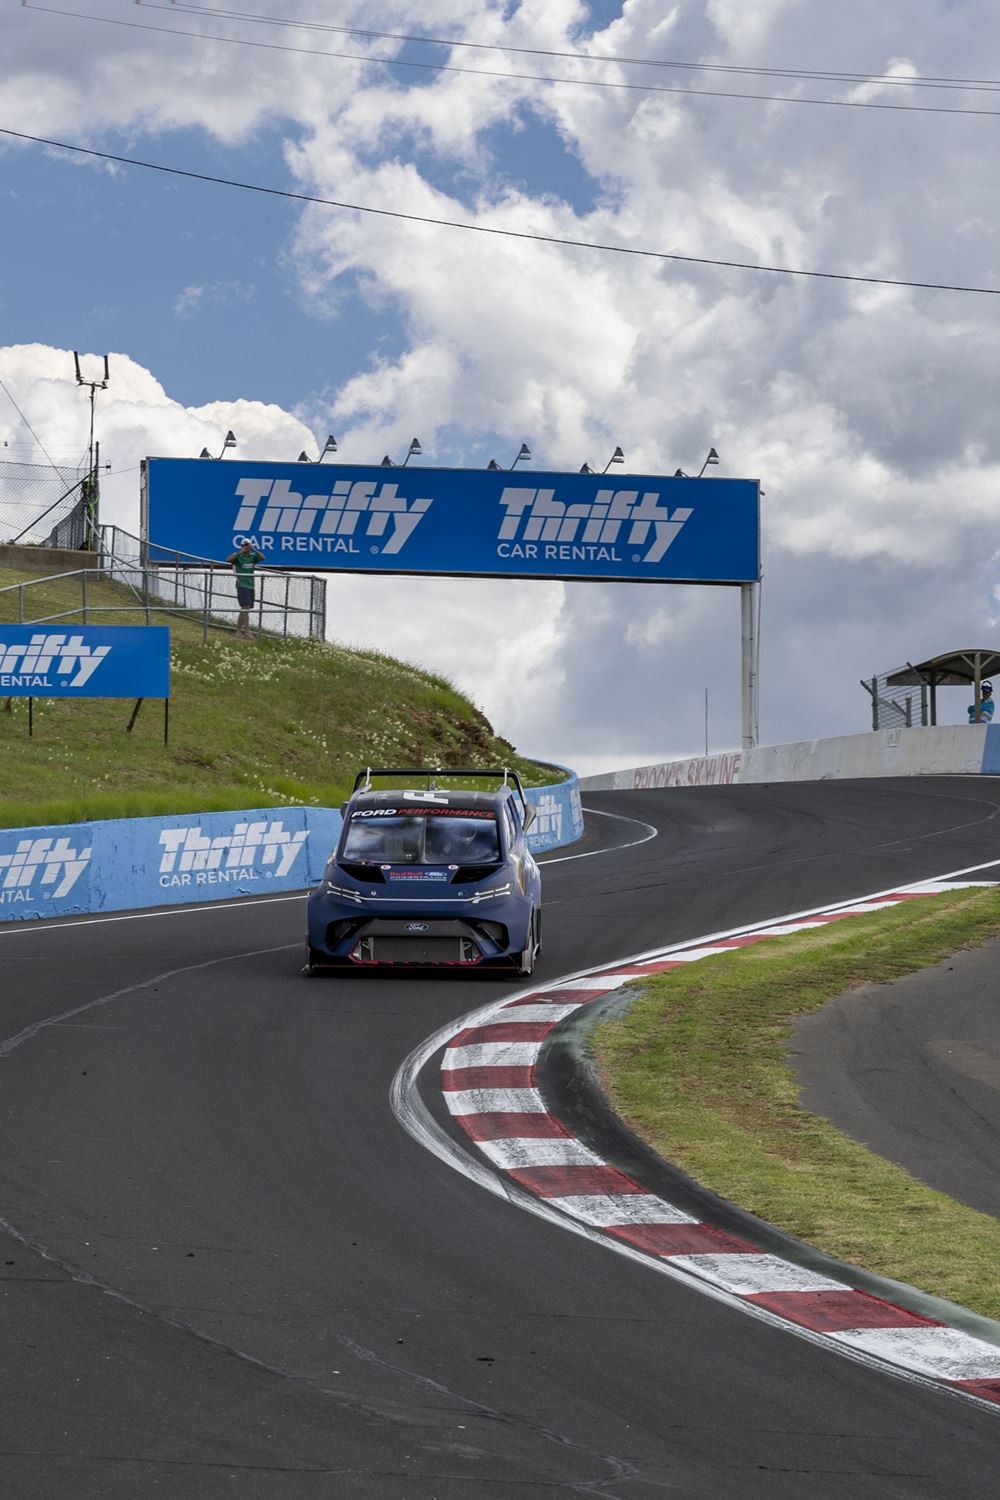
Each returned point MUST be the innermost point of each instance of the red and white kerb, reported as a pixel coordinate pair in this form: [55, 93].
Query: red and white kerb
[488, 1075]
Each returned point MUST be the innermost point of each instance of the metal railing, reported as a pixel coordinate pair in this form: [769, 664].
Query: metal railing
[286, 604]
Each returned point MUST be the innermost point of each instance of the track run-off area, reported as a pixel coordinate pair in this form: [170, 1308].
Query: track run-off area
[228, 1270]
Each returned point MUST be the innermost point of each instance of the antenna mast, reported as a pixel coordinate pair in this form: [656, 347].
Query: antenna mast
[90, 491]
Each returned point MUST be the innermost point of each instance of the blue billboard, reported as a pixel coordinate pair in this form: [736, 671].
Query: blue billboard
[84, 661]
[365, 519]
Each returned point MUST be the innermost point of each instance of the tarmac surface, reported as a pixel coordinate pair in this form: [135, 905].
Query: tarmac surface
[912, 1070]
[226, 1270]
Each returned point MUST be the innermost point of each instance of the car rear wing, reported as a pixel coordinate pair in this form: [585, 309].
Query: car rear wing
[363, 780]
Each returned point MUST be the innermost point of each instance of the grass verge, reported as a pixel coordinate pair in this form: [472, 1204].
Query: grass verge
[271, 723]
[699, 1068]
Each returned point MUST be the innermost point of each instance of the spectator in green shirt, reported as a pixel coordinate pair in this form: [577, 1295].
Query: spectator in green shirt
[243, 564]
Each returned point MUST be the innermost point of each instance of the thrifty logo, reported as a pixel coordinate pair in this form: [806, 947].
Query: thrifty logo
[363, 509]
[62, 655]
[537, 516]
[52, 862]
[548, 817]
[250, 845]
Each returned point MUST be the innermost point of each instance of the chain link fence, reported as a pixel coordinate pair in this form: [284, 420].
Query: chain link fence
[41, 501]
[896, 707]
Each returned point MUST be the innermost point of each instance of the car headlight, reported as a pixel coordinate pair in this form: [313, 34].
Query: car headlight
[494, 890]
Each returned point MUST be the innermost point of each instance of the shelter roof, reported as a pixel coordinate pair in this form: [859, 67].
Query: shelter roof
[951, 668]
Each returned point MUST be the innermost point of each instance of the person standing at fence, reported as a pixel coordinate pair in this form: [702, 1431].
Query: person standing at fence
[244, 565]
[985, 706]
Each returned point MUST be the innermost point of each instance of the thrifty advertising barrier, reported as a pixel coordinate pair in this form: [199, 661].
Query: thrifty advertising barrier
[558, 812]
[131, 863]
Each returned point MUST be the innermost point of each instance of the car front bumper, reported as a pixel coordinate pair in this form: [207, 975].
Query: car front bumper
[443, 933]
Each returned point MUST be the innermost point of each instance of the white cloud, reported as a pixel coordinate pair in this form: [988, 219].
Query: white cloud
[136, 418]
[213, 293]
[868, 412]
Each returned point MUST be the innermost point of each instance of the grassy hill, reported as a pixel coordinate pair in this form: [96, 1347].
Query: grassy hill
[278, 721]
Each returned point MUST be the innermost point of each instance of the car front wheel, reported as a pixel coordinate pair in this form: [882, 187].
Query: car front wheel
[313, 963]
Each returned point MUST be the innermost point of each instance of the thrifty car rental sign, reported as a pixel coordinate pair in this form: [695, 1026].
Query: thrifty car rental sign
[639, 528]
[84, 661]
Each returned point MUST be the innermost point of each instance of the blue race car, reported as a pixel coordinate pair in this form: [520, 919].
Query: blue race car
[429, 878]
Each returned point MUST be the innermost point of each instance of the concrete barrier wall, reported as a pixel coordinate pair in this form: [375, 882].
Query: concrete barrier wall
[129, 863]
[46, 559]
[946, 750]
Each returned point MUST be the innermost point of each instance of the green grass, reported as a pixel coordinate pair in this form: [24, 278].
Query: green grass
[273, 723]
[699, 1067]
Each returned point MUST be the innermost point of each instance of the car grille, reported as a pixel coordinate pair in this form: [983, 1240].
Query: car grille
[418, 950]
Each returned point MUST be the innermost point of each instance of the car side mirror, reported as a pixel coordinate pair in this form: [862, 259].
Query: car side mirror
[530, 815]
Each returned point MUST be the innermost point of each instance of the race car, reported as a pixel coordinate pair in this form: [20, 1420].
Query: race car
[429, 878]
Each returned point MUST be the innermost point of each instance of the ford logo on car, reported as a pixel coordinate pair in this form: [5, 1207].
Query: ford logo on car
[418, 927]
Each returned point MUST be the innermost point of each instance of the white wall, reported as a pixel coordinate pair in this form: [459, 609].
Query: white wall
[949, 749]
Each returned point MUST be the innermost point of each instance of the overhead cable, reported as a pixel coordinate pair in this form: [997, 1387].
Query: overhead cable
[489, 229]
[587, 83]
[577, 55]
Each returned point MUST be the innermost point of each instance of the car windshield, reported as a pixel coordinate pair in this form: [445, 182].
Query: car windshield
[413, 839]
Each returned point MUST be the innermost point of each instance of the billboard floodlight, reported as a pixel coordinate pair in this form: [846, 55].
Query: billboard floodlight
[618, 457]
[330, 446]
[229, 441]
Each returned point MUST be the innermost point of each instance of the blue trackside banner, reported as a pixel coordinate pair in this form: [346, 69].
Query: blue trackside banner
[558, 813]
[84, 661]
[135, 863]
[634, 527]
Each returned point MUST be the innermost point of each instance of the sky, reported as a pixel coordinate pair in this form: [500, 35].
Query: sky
[866, 411]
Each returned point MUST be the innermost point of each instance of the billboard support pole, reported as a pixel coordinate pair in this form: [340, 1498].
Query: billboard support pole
[749, 662]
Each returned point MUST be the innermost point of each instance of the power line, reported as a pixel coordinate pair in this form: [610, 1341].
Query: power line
[587, 83]
[510, 234]
[979, 84]
[27, 424]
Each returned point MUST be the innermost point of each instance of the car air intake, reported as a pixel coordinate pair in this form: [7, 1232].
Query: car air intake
[418, 950]
[370, 873]
[467, 874]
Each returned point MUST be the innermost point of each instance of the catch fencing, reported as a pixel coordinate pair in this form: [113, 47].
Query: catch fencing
[896, 707]
[40, 504]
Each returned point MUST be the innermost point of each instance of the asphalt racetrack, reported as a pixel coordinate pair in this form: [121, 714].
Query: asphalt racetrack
[227, 1271]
